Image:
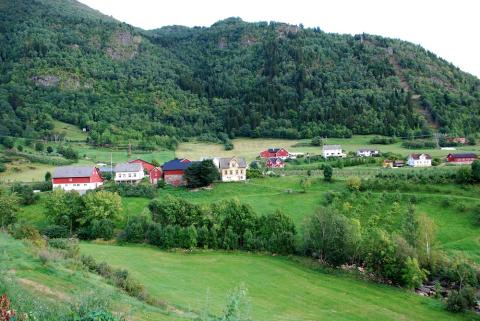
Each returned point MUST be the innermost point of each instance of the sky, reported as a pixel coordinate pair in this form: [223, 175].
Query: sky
[449, 28]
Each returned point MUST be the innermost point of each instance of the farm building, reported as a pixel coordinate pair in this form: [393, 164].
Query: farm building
[275, 152]
[466, 158]
[365, 152]
[458, 140]
[332, 151]
[129, 173]
[419, 160]
[174, 170]
[388, 163]
[146, 165]
[154, 173]
[231, 169]
[77, 178]
[275, 163]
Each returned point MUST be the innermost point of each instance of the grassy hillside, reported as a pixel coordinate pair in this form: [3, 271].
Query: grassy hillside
[52, 289]
[62, 61]
[279, 289]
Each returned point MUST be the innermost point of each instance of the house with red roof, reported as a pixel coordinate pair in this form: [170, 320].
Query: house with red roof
[275, 163]
[281, 153]
[77, 178]
[155, 173]
[174, 171]
[462, 159]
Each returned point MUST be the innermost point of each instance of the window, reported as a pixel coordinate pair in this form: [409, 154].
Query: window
[231, 172]
[236, 172]
[134, 174]
[129, 175]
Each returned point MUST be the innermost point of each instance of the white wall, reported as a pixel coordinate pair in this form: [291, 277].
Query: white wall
[129, 176]
[77, 186]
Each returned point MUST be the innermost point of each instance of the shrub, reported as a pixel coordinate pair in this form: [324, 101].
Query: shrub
[354, 183]
[69, 247]
[44, 256]
[104, 269]
[89, 262]
[254, 173]
[461, 300]
[55, 231]
[327, 173]
[28, 232]
[412, 275]
[103, 229]
[25, 193]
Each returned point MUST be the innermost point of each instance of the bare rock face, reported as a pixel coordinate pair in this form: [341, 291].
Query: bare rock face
[46, 80]
[249, 40]
[123, 46]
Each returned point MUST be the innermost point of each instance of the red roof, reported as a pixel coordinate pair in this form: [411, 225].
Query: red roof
[146, 165]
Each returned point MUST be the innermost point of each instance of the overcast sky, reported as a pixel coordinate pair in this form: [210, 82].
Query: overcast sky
[448, 28]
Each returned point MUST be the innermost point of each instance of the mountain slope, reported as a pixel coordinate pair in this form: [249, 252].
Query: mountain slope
[65, 61]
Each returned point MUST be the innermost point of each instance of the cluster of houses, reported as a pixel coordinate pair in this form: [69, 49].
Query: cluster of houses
[84, 178]
[231, 169]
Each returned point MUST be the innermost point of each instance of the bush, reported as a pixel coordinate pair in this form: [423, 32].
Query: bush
[89, 262]
[328, 173]
[25, 193]
[55, 231]
[103, 229]
[69, 247]
[254, 173]
[28, 232]
[354, 183]
[461, 300]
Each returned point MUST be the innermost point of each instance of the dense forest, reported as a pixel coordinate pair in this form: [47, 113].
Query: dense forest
[62, 60]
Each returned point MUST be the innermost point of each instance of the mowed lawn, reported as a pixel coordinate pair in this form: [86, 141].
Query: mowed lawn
[278, 288]
[251, 147]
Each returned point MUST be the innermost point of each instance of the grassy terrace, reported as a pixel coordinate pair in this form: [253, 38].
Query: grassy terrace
[279, 288]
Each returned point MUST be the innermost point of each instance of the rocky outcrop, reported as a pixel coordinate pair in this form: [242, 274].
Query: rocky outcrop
[123, 46]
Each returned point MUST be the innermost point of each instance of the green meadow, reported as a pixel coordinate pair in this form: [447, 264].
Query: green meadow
[278, 287]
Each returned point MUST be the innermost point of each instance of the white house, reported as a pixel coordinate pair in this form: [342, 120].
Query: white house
[332, 151]
[232, 169]
[129, 173]
[76, 178]
[365, 152]
[419, 160]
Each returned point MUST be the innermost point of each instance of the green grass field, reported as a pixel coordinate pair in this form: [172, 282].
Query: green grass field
[72, 132]
[279, 289]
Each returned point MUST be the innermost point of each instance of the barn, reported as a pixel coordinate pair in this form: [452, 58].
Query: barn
[275, 153]
[77, 178]
[462, 159]
[174, 170]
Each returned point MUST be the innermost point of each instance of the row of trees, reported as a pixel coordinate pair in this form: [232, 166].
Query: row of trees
[231, 225]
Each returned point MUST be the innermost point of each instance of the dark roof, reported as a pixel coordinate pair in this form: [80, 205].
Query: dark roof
[225, 162]
[417, 156]
[176, 164]
[331, 147]
[273, 150]
[128, 167]
[367, 150]
[73, 171]
[464, 155]
[106, 169]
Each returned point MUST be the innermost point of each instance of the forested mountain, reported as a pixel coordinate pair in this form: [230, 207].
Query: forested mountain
[62, 60]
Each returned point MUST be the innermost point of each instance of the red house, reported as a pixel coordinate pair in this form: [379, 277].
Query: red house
[466, 158]
[76, 178]
[146, 165]
[155, 175]
[275, 153]
[275, 163]
[174, 170]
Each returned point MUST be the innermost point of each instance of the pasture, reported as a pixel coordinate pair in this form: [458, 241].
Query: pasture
[249, 148]
[278, 288]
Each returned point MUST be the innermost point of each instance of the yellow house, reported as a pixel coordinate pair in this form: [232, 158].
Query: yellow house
[232, 169]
